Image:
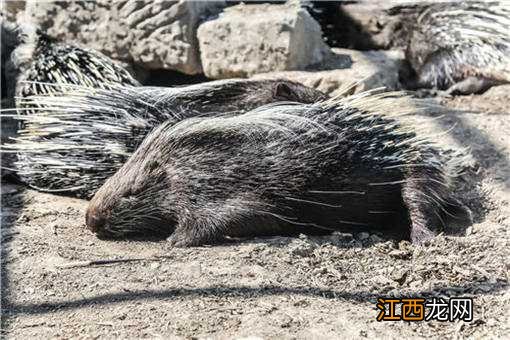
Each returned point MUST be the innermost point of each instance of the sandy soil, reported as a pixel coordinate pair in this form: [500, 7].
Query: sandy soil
[307, 287]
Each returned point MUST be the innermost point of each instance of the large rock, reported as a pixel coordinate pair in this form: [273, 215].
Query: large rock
[363, 24]
[10, 9]
[368, 70]
[249, 39]
[151, 34]
[369, 24]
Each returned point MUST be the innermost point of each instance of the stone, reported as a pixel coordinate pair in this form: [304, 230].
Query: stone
[339, 238]
[155, 265]
[301, 247]
[368, 70]
[399, 275]
[498, 92]
[363, 236]
[10, 8]
[249, 39]
[400, 254]
[371, 25]
[150, 34]
[376, 239]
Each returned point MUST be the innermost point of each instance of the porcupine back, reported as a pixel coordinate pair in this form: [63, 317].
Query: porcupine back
[78, 139]
[280, 169]
[37, 61]
[449, 42]
[34, 64]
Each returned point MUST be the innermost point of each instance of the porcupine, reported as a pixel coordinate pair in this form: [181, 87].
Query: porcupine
[283, 168]
[83, 136]
[460, 47]
[32, 62]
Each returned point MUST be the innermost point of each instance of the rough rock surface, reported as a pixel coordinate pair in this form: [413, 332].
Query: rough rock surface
[363, 24]
[151, 34]
[11, 8]
[370, 69]
[360, 25]
[249, 39]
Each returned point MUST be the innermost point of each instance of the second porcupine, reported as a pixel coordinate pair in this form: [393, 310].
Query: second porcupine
[284, 168]
[84, 135]
[461, 47]
[32, 61]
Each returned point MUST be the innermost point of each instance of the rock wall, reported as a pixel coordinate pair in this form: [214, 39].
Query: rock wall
[150, 34]
[219, 39]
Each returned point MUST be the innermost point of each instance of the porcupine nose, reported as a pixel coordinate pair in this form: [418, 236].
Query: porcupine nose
[95, 222]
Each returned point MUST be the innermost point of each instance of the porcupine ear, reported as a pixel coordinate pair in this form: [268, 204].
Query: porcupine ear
[283, 90]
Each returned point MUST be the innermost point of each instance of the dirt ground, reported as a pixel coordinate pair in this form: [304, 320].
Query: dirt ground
[307, 287]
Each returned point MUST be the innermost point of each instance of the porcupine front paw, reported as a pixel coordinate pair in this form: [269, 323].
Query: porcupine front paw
[472, 85]
[189, 237]
[420, 234]
[180, 239]
[423, 219]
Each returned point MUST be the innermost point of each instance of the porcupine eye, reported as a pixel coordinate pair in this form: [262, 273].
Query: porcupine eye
[127, 193]
[152, 165]
[132, 192]
[282, 90]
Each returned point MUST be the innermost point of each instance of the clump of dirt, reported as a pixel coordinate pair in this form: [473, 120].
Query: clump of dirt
[276, 287]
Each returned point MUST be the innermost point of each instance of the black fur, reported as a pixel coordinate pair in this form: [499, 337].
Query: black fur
[461, 47]
[280, 169]
[91, 132]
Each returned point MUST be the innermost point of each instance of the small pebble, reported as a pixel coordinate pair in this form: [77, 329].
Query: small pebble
[340, 237]
[363, 236]
[400, 276]
[376, 239]
[301, 247]
[400, 254]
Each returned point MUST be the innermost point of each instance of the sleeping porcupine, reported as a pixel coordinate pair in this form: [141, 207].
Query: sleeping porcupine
[83, 136]
[282, 168]
[461, 47]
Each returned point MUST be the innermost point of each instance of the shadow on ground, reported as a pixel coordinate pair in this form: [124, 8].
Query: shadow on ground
[218, 291]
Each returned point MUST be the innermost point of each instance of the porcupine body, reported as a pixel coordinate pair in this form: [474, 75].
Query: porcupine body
[82, 137]
[280, 169]
[34, 64]
[461, 47]
[34, 61]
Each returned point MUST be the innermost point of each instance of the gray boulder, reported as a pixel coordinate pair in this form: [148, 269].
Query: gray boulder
[10, 8]
[249, 39]
[367, 69]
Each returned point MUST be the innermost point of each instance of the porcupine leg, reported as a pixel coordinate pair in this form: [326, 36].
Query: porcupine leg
[423, 216]
[205, 226]
[472, 85]
[194, 233]
[432, 206]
